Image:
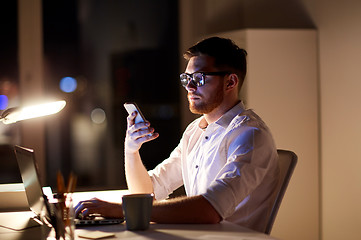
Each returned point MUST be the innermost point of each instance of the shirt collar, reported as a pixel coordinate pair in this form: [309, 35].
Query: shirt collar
[226, 118]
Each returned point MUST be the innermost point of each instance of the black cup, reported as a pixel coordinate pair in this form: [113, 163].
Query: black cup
[137, 209]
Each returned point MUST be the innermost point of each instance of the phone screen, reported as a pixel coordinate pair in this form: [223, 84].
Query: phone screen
[132, 107]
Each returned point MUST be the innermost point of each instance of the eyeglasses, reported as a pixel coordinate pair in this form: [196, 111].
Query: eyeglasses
[198, 78]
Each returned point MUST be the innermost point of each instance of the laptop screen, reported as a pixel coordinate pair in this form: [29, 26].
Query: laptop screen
[29, 174]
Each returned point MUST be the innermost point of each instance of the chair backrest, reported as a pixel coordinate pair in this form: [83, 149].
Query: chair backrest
[287, 161]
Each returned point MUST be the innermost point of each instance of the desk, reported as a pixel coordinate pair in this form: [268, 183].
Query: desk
[221, 231]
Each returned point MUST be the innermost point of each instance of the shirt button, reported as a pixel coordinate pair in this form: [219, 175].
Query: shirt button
[196, 166]
[206, 137]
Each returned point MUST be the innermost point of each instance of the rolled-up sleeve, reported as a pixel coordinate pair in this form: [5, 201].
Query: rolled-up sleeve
[248, 156]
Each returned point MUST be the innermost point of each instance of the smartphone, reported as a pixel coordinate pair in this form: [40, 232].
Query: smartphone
[132, 107]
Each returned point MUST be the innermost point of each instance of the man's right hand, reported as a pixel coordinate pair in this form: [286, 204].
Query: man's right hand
[137, 134]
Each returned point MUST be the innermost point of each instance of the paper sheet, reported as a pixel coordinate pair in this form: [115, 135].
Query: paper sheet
[95, 235]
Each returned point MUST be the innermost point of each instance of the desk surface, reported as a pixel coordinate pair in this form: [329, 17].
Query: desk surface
[221, 231]
[226, 231]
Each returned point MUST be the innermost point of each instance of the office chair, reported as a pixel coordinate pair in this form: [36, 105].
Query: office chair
[287, 161]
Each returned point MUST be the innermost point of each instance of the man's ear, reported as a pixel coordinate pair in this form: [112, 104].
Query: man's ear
[232, 81]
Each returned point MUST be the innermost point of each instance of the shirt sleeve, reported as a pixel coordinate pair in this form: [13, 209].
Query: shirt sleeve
[167, 176]
[249, 152]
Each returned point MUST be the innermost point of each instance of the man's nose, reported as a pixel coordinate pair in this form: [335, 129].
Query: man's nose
[191, 86]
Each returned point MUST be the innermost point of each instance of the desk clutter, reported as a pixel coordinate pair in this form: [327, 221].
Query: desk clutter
[61, 208]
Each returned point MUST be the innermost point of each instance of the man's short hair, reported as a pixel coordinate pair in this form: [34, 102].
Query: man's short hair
[228, 56]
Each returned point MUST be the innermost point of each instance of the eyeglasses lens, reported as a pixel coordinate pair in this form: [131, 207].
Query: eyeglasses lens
[184, 79]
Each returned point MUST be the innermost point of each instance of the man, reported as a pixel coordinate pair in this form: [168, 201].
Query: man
[226, 159]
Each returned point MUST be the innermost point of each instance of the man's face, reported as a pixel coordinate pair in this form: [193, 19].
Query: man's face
[206, 98]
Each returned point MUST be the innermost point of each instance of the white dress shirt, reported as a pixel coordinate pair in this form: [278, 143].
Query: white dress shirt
[231, 162]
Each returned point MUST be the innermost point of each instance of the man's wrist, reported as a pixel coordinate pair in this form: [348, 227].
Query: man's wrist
[130, 154]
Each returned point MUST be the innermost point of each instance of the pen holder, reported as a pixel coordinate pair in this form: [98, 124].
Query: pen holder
[64, 217]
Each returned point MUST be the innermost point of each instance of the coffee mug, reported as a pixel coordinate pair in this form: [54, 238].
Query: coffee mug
[137, 210]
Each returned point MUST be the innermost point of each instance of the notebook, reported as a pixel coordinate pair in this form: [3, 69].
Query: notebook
[38, 202]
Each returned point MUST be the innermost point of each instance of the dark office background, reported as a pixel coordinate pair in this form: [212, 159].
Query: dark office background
[117, 51]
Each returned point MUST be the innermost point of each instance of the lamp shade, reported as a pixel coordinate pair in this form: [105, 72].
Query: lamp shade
[16, 114]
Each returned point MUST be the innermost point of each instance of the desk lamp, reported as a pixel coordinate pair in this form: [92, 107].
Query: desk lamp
[13, 115]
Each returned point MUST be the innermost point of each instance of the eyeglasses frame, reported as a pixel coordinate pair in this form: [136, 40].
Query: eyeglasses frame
[203, 80]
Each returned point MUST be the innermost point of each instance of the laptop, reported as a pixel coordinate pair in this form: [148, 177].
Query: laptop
[38, 201]
[33, 210]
